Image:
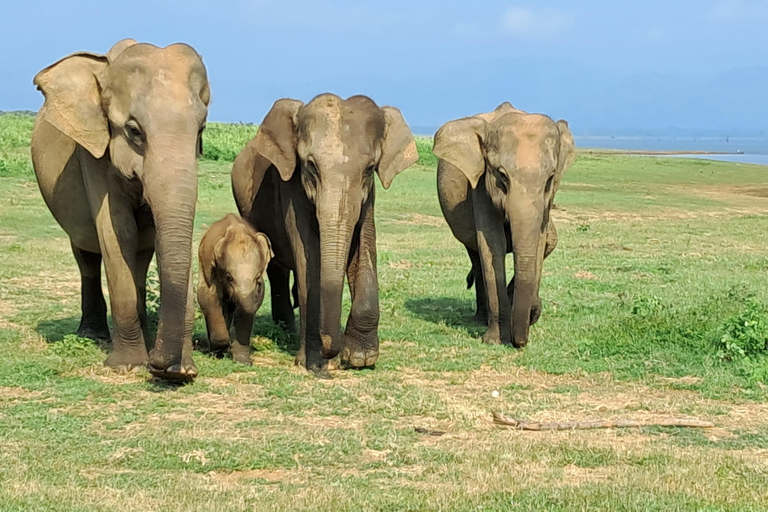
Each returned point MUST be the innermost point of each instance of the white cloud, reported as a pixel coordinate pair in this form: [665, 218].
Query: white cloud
[526, 23]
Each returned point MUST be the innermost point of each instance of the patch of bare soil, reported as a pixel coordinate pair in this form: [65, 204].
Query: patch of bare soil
[7, 310]
[221, 480]
[12, 395]
[583, 274]
[56, 284]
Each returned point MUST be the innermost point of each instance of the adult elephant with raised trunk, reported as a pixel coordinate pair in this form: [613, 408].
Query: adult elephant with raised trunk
[497, 176]
[114, 150]
[307, 181]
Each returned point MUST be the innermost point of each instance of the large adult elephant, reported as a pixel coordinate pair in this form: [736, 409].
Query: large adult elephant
[497, 177]
[114, 150]
[307, 181]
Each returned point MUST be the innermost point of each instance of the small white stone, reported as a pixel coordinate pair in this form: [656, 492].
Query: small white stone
[495, 394]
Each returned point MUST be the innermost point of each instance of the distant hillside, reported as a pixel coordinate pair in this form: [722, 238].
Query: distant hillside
[18, 112]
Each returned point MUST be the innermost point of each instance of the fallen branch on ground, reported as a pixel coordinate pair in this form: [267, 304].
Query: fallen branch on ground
[429, 432]
[506, 421]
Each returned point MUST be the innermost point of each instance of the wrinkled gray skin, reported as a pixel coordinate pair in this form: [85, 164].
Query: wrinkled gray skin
[497, 178]
[114, 150]
[307, 181]
[233, 260]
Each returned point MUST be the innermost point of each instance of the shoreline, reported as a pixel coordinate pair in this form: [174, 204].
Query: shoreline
[645, 152]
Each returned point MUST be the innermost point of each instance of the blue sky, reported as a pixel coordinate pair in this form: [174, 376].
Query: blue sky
[603, 65]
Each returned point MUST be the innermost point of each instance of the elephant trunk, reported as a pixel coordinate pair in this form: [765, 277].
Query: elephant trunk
[170, 189]
[337, 217]
[249, 299]
[527, 248]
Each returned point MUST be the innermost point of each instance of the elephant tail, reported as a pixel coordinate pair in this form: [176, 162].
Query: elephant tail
[470, 278]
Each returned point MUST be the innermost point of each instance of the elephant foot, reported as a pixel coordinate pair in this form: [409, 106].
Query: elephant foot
[490, 338]
[321, 373]
[95, 333]
[241, 354]
[164, 368]
[361, 350]
[176, 372]
[334, 364]
[301, 357]
[218, 347]
[127, 360]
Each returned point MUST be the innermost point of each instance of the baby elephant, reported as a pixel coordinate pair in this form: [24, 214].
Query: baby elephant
[233, 260]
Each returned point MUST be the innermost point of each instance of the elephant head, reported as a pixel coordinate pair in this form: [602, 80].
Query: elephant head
[142, 109]
[241, 257]
[519, 159]
[335, 147]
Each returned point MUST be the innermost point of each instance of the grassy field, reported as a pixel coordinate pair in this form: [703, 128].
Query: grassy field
[653, 308]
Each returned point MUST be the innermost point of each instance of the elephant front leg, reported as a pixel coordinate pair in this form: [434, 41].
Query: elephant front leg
[241, 347]
[492, 245]
[216, 321]
[305, 245]
[361, 337]
[280, 289]
[129, 348]
[93, 323]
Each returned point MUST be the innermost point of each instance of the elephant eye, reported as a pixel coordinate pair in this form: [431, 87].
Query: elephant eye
[370, 170]
[548, 186]
[311, 166]
[133, 132]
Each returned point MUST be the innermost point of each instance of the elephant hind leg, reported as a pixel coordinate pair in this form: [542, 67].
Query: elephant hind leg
[281, 294]
[143, 259]
[93, 323]
[476, 275]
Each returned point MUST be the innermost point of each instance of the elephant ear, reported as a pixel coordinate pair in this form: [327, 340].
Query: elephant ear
[398, 148]
[276, 139]
[73, 100]
[460, 143]
[566, 153]
[119, 47]
[265, 250]
[220, 249]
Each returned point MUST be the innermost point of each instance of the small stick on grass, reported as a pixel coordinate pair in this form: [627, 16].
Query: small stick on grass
[506, 421]
[429, 432]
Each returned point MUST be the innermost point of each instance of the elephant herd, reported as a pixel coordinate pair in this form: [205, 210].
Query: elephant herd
[115, 147]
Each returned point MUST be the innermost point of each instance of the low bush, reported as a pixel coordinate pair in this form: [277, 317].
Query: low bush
[745, 335]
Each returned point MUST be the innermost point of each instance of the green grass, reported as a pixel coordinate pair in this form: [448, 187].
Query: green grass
[658, 261]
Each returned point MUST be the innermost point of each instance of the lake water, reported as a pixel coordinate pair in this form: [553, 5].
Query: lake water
[739, 149]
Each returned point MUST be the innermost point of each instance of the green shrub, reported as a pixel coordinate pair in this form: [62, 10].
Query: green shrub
[223, 141]
[73, 345]
[15, 130]
[746, 334]
[15, 164]
[426, 156]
